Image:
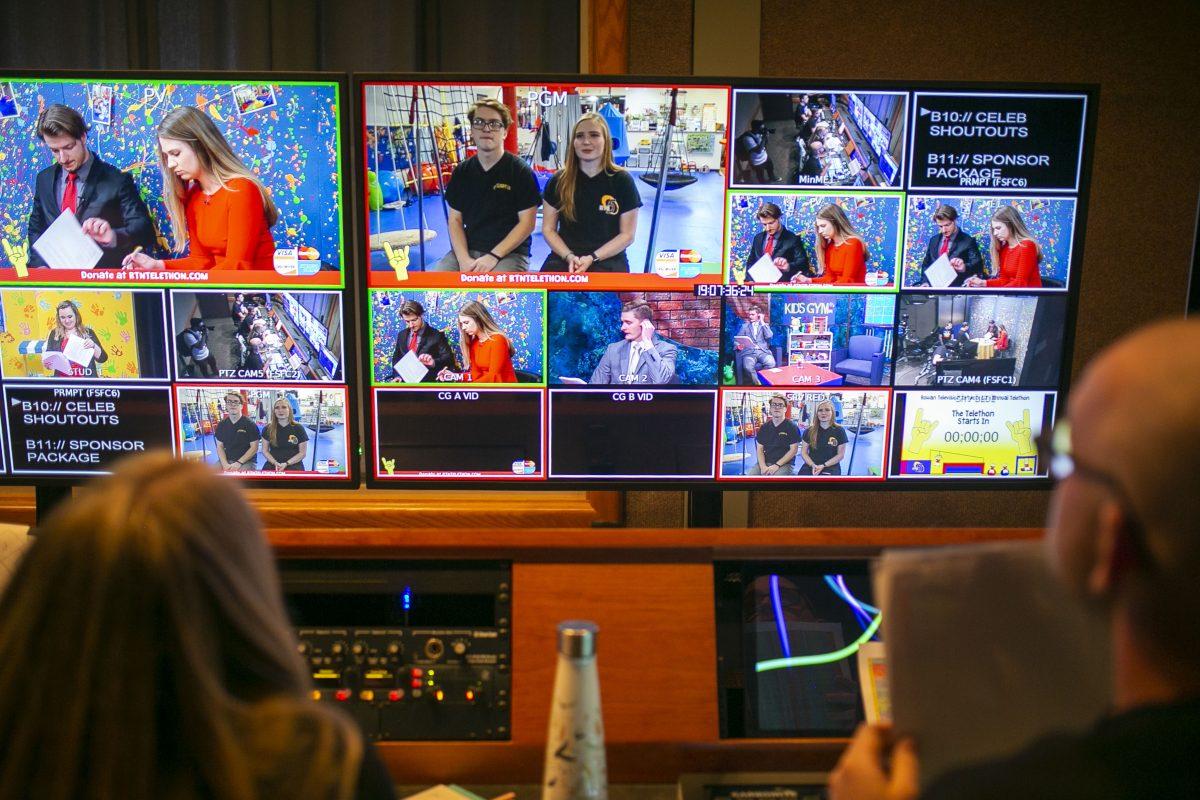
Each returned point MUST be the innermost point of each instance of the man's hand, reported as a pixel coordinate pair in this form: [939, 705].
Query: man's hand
[18, 256]
[485, 263]
[921, 431]
[781, 263]
[1021, 433]
[647, 331]
[100, 231]
[860, 775]
[958, 264]
[425, 359]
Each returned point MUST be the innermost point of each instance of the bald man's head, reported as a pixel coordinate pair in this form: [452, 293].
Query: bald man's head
[1136, 413]
[1135, 438]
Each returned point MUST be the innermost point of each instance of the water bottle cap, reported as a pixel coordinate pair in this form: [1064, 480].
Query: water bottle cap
[577, 638]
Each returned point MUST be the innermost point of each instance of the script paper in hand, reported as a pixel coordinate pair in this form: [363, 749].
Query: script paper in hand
[410, 369]
[765, 271]
[64, 245]
[52, 359]
[940, 274]
[986, 652]
[75, 350]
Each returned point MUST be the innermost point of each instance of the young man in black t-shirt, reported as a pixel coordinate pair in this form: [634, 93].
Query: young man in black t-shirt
[493, 199]
[777, 442]
[237, 437]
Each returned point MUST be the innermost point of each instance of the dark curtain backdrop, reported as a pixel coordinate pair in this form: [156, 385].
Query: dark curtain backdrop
[333, 35]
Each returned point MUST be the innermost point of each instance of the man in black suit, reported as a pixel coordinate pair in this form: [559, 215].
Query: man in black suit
[785, 247]
[103, 197]
[429, 344]
[961, 248]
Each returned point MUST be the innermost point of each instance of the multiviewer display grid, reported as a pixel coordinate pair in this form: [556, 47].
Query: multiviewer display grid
[173, 275]
[723, 284]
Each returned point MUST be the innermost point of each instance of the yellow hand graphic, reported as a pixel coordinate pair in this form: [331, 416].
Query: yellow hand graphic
[389, 464]
[18, 256]
[920, 432]
[1022, 434]
[398, 258]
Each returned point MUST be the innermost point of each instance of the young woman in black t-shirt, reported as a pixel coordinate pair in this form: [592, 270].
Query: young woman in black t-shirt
[824, 444]
[286, 441]
[590, 212]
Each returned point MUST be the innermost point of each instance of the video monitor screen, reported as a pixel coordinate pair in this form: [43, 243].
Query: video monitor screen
[685, 283]
[948, 435]
[788, 641]
[652, 216]
[171, 231]
[806, 136]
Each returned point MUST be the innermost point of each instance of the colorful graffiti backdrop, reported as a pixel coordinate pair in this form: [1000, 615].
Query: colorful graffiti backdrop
[292, 146]
[876, 217]
[1050, 220]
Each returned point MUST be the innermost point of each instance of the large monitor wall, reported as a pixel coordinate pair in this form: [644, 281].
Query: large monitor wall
[235, 349]
[846, 283]
[754, 294]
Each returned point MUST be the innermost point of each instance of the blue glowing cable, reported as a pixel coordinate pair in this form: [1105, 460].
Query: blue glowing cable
[777, 606]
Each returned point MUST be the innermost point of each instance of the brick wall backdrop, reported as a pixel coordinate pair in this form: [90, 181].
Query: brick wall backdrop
[694, 321]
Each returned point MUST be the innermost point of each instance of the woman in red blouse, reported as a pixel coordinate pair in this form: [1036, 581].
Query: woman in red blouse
[1015, 254]
[220, 212]
[841, 252]
[1002, 340]
[487, 350]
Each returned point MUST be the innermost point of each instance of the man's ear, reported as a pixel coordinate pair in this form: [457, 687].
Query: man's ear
[1115, 552]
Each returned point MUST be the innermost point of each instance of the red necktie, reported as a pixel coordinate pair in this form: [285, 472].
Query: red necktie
[945, 245]
[770, 248]
[70, 194]
[412, 343]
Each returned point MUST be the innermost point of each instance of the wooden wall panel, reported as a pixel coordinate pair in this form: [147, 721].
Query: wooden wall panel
[608, 48]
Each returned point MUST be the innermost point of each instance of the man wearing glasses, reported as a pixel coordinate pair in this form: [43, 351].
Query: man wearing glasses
[1123, 535]
[777, 442]
[493, 199]
[237, 437]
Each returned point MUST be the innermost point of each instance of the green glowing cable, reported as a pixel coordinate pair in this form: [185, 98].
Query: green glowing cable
[821, 658]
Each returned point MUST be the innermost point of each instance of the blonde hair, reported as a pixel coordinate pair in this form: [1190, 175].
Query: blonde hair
[1012, 219]
[154, 594]
[842, 227]
[80, 328]
[478, 313]
[193, 127]
[568, 176]
[273, 425]
[814, 428]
